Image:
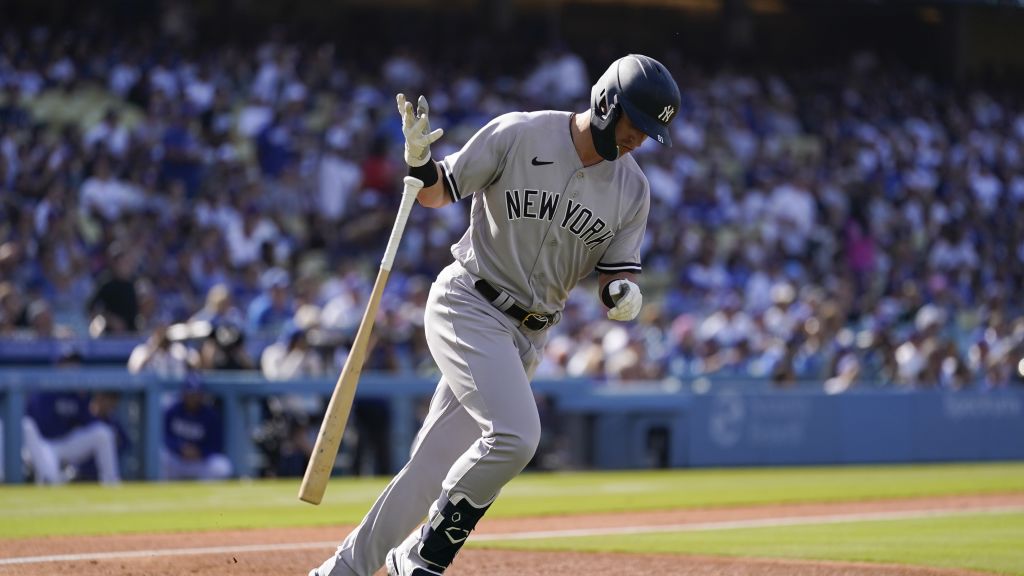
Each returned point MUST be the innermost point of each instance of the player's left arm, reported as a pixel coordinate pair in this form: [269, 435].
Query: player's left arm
[620, 264]
[620, 294]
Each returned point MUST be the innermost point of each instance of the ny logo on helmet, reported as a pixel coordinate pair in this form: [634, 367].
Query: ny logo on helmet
[666, 114]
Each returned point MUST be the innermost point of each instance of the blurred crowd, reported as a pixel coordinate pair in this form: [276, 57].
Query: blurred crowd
[847, 225]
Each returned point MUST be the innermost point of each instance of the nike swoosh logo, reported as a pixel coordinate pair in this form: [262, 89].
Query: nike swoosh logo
[536, 162]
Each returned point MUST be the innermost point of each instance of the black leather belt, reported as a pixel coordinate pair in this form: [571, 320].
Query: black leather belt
[502, 301]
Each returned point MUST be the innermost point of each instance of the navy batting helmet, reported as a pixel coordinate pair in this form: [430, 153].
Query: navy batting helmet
[643, 88]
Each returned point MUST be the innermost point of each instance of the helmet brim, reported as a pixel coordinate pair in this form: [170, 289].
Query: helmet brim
[651, 126]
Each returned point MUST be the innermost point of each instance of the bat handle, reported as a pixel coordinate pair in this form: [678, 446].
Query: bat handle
[409, 193]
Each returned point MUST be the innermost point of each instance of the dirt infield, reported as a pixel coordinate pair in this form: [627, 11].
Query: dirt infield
[280, 552]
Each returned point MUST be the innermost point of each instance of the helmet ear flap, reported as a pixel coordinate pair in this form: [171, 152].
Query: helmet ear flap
[605, 110]
[604, 107]
[602, 126]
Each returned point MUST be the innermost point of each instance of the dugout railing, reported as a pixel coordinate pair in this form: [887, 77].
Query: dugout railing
[239, 394]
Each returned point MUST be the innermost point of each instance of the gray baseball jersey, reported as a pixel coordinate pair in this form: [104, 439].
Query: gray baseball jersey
[540, 221]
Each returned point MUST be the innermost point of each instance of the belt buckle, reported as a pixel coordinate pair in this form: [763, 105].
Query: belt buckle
[544, 320]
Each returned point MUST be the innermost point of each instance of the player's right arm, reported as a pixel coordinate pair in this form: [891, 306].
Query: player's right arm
[418, 138]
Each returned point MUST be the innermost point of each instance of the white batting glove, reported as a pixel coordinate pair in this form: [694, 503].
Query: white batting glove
[628, 300]
[416, 127]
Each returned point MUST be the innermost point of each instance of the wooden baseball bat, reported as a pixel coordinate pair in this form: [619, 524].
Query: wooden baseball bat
[321, 463]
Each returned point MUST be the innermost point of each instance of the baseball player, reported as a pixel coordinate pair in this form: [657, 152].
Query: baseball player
[555, 195]
[193, 437]
[61, 430]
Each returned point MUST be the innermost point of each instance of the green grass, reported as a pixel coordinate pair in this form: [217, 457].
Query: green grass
[28, 511]
[990, 542]
[630, 491]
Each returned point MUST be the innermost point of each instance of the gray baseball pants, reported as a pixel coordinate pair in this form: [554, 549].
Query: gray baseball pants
[480, 432]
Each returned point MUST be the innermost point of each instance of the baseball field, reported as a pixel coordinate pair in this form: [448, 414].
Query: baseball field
[894, 520]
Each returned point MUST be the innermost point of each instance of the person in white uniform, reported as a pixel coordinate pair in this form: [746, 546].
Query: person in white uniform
[555, 196]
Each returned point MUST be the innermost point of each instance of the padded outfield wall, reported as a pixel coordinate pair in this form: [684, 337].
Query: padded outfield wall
[745, 428]
[802, 428]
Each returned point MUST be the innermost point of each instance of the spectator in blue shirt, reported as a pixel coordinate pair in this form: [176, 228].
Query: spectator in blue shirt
[274, 147]
[273, 308]
[182, 160]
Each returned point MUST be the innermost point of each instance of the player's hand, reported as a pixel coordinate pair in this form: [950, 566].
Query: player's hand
[416, 127]
[628, 300]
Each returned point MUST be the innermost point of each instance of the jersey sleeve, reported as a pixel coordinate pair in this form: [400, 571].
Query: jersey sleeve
[623, 253]
[481, 161]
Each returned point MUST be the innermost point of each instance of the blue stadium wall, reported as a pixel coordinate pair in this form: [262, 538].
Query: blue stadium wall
[734, 428]
[613, 427]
